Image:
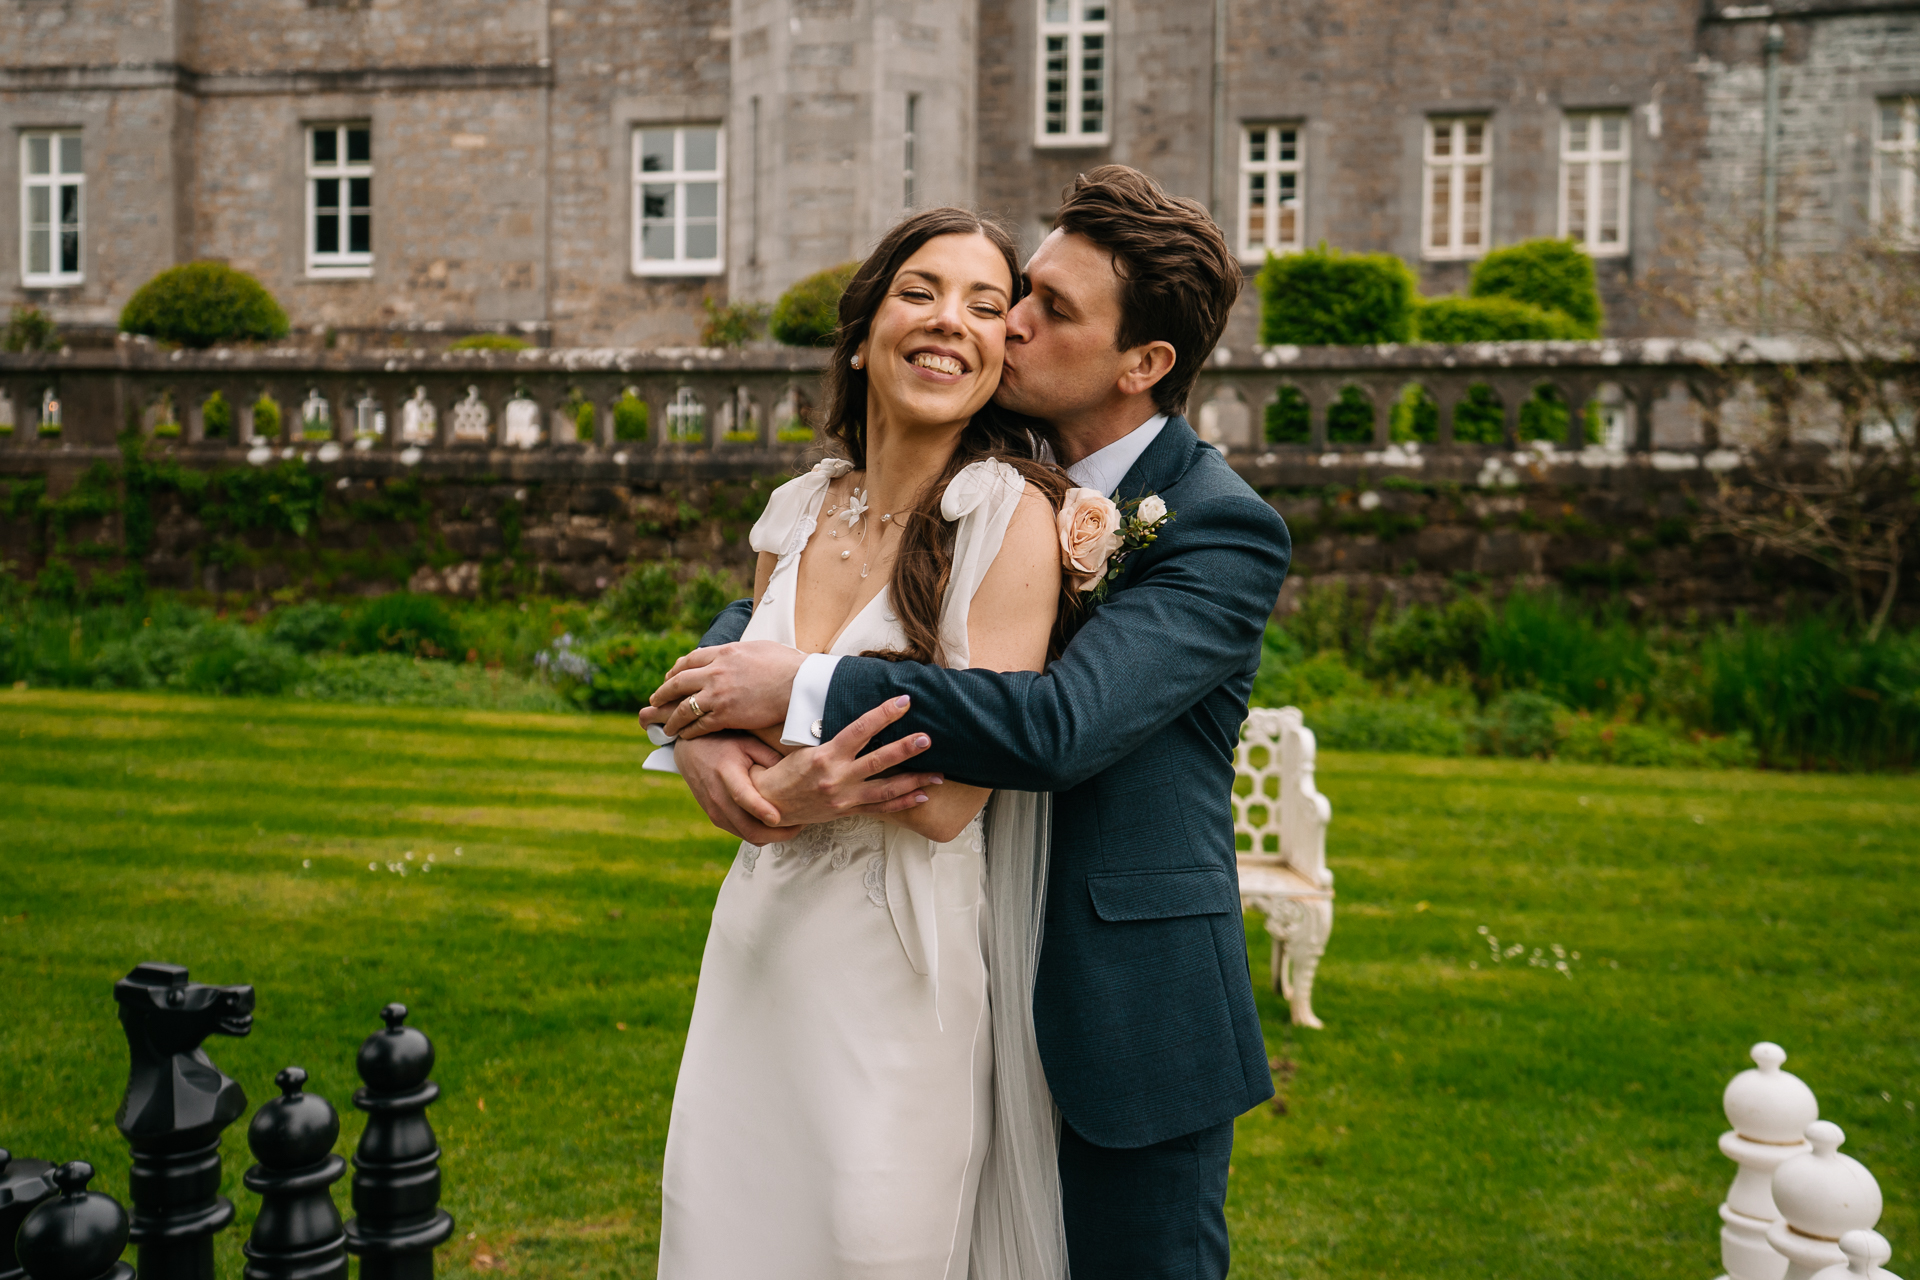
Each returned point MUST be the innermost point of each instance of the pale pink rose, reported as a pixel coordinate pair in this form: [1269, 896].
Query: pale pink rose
[1089, 534]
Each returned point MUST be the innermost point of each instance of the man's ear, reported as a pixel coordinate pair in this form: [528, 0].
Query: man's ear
[1144, 366]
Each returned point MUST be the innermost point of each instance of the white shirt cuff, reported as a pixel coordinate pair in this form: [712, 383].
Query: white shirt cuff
[808, 705]
[661, 760]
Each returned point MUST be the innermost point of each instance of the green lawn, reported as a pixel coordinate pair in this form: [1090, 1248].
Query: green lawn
[1504, 1120]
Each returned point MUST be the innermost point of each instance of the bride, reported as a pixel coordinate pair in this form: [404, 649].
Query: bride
[860, 1097]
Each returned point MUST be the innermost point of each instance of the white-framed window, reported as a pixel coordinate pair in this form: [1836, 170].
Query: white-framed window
[340, 199]
[1896, 169]
[52, 183]
[1459, 187]
[1076, 60]
[1271, 181]
[677, 181]
[1596, 180]
[910, 141]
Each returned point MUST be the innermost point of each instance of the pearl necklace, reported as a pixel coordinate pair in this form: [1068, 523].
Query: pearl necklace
[852, 512]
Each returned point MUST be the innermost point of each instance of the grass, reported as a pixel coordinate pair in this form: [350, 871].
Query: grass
[1503, 1120]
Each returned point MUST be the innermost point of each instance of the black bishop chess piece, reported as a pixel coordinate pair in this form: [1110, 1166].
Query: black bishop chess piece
[176, 1107]
[397, 1222]
[24, 1184]
[298, 1235]
[76, 1235]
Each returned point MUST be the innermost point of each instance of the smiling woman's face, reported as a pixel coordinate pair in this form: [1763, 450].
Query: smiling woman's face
[934, 351]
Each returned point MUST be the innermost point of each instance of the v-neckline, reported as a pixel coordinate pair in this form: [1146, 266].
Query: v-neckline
[799, 563]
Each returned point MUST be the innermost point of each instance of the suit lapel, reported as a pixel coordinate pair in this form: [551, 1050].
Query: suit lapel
[1156, 470]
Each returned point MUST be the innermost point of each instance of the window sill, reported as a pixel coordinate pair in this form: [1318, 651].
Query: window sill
[1081, 142]
[363, 271]
[51, 282]
[679, 269]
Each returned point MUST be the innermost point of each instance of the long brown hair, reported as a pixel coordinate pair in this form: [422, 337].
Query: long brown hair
[924, 560]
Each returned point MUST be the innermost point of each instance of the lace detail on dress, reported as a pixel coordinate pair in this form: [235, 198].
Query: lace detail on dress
[749, 854]
[876, 879]
[837, 839]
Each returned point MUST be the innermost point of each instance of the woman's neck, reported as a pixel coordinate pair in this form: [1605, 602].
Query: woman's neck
[904, 459]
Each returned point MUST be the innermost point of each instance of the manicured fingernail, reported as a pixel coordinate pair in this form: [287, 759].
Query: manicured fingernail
[919, 799]
[922, 742]
[939, 782]
[902, 702]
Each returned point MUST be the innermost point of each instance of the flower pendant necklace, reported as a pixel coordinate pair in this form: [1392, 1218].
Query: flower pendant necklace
[853, 511]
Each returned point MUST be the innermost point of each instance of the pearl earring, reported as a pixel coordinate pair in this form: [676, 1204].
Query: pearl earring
[857, 362]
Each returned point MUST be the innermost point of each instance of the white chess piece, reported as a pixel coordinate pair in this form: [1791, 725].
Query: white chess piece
[1866, 1251]
[1769, 1110]
[1821, 1197]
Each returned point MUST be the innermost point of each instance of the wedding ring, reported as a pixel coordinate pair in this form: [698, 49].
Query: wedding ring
[693, 705]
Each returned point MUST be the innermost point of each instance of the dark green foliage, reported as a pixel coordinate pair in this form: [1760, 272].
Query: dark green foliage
[490, 342]
[1480, 418]
[414, 625]
[1350, 418]
[57, 582]
[1289, 419]
[627, 669]
[308, 628]
[1545, 416]
[199, 304]
[266, 419]
[1323, 297]
[647, 599]
[282, 498]
[630, 417]
[1490, 319]
[732, 324]
[1520, 723]
[1415, 415]
[1551, 644]
[1552, 274]
[1429, 640]
[216, 417]
[30, 329]
[808, 314]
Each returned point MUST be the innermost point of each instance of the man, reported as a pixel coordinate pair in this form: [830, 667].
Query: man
[1143, 1002]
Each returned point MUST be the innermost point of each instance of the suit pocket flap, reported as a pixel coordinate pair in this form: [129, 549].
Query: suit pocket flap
[1161, 895]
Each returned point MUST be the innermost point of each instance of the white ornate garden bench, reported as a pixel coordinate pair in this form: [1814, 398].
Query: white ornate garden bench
[1283, 872]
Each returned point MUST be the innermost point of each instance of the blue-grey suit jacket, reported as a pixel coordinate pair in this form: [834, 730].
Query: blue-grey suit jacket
[1143, 1003]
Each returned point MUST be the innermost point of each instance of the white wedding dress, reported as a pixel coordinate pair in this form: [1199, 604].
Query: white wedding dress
[840, 1097]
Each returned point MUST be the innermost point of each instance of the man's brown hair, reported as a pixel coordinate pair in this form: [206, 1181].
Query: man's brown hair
[1178, 278]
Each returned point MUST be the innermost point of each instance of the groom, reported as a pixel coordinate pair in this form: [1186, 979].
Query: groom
[1143, 1003]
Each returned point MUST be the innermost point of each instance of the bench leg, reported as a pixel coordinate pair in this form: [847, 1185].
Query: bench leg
[1299, 931]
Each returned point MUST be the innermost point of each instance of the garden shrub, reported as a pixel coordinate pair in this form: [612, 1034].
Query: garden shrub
[808, 314]
[199, 304]
[308, 628]
[1587, 740]
[1350, 418]
[1545, 416]
[645, 600]
[1428, 640]
[1323, 297]
[216, 417]
[1490, 319]
[1387, 724]
[630, 417]
[1289, 418]
[414, 625]
[266, 419]
[490, 342]
[796, 431]
[705, 595]
[1480, 418]
[1414, 415]
[30, 329]
[733, 324]
[1555, 275]
[1521, 723]
[626, 669]
[1550, 643]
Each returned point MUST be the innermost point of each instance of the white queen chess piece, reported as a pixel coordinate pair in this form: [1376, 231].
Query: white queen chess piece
[1769, 1110]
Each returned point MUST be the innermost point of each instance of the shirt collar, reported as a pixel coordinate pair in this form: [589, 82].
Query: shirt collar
[1104, 469]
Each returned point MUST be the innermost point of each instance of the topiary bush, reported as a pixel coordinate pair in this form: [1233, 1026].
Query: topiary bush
[630, 417]
[808, 314]
[1491, 319]
[266, 419]
[199, 304]
[1324, 297]
[1551, 274]
[216, 417]
[490, 342]
[415, 625]
[733, 324]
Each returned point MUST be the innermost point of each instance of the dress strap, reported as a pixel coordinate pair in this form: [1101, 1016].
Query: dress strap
[791, 503]
[981, 499]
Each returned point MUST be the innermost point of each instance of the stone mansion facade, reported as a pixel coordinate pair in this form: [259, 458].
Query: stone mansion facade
[589, 171]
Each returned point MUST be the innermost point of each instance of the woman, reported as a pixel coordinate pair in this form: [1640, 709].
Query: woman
[861, 1045]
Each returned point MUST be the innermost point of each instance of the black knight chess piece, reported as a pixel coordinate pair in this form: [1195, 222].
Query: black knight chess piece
[397, 1220]
[78, 1234]
[298, 1234]
[23, 1185]
[176, 1106]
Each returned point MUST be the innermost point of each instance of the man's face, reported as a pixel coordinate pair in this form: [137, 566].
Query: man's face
[1061, 359]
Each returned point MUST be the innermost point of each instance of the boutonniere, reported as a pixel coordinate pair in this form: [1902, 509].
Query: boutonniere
[1097, 535]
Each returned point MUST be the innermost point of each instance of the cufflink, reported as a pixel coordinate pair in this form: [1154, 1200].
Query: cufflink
[818, 730]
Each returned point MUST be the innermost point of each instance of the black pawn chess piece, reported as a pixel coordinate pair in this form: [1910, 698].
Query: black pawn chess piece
[23, 1185]
[77, 1235]
[298, 1234]
[397, 1220]
[178, 1103]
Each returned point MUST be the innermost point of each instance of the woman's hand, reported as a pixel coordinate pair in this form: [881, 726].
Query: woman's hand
[819, 784]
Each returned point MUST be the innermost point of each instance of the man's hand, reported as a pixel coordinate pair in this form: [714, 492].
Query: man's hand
[822, 783]
[718, 769]
[745, 685]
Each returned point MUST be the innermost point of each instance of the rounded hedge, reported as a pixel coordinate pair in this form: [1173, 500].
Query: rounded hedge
[1323, 297]
[1490, 320]
[808, 314]
[199, 304]
[1555, 275]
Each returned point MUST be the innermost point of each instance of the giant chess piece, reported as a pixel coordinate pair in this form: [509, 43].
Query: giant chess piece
[80, 1235]
[397, 1220]
[23, 1185]
[298, 1234]
[1822, 1197]
[1865, 1251]
[176, 1106]
[1769, 1110]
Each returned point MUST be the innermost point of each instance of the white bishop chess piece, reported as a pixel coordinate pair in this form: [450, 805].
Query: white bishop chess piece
[1769, 1110]
[1865, 1251]
[1821, 1197]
